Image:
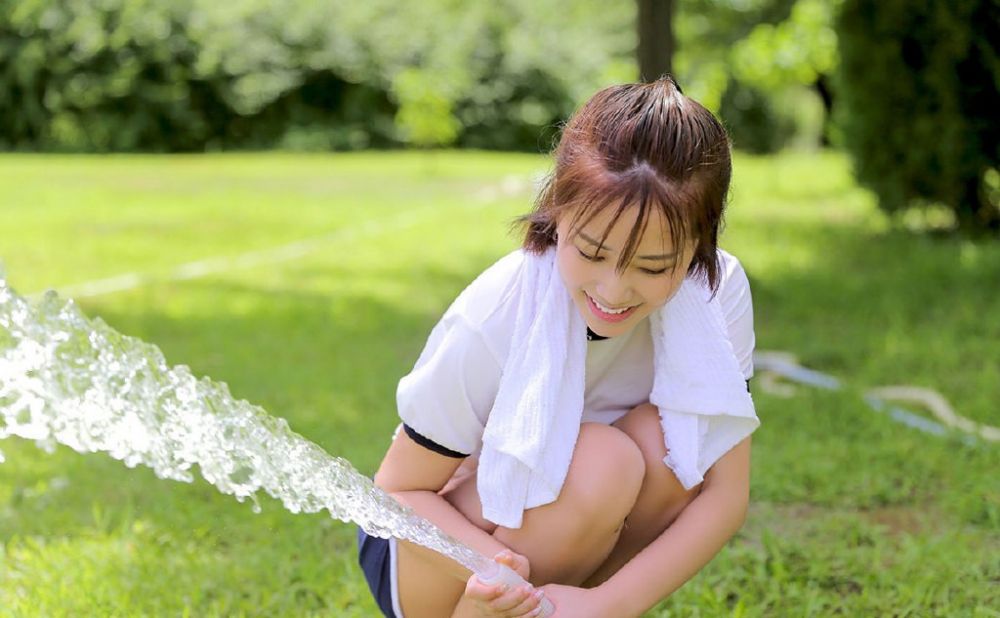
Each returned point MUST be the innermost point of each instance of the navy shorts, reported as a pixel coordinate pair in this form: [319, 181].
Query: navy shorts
[375, 561]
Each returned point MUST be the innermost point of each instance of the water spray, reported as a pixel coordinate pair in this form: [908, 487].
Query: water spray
[68, 379]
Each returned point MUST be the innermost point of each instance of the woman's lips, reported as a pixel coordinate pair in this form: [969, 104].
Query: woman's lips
[609, 317]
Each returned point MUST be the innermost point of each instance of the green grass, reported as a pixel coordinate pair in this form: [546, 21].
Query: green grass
[852, 513]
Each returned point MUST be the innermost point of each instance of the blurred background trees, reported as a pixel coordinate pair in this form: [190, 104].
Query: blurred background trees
[921, 114]
[176, 75]
[183, 75]
[912, 99]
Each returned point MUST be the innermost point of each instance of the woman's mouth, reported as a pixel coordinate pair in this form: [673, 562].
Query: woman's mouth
[609, 314]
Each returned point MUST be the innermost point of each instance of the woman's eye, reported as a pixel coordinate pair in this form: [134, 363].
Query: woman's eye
[597, 258]
[663, 271]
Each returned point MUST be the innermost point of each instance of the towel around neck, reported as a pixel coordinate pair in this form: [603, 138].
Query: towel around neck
[533, 425]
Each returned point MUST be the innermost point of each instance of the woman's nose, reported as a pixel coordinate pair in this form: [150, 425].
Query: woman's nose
[614, 289]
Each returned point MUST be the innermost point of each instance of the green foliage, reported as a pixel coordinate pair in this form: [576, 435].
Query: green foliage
[795, 51]
[81, 76]
[920, 87]
[753, 123]
[707, 30]
[193, 75]
[749, 61]
[425, 114]
[198, 74]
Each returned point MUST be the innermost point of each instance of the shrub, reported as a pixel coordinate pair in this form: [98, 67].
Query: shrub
[920, 89]
[753, 123]
[113, 75]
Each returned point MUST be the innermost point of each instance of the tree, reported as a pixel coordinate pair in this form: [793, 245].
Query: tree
[919, 85]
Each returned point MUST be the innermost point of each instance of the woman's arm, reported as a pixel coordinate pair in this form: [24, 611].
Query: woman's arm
[695, 537]
[414, 475]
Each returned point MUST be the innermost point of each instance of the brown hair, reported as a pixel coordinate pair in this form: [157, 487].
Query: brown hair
[646, 145]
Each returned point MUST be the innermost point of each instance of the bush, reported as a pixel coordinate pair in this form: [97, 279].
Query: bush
[920, 89]
[169, 75]
[753, 123]
[78, 76]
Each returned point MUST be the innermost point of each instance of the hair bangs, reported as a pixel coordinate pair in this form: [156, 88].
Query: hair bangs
[645, 146]
[650, 196]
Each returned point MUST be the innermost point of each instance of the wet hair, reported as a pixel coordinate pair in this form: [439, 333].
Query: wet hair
[644, 145]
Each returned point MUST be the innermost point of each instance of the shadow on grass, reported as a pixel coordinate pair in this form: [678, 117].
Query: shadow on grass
[877, 309]
[890, 308]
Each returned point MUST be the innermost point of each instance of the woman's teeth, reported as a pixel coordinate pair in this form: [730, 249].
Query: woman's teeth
[608, 310]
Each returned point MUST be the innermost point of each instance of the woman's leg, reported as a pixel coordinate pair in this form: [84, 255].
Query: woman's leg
[661, 498]
[564, 541]
[425, 592]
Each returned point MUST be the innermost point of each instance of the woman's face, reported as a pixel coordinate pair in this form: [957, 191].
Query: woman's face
[611, 302]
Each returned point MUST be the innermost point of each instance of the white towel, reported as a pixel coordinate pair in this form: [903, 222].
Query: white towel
[532, 429]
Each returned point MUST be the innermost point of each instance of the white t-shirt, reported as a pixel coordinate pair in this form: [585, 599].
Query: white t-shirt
[448, 396]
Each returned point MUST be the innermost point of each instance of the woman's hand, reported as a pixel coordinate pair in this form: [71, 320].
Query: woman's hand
[573, 602]
[498, 600]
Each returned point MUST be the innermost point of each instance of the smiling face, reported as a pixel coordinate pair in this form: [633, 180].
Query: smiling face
[613, 302]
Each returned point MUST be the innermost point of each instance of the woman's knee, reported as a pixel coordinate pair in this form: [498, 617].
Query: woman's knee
[567, 539]
[642, 425]
[606, 472]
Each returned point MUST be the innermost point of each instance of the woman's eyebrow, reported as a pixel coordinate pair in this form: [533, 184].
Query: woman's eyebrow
[665, 256]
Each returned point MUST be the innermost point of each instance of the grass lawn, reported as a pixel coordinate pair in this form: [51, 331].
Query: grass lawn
[852, 514]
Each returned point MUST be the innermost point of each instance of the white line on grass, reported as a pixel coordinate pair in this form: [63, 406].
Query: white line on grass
[510, 185]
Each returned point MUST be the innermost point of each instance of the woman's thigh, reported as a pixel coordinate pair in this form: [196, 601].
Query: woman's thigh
[424, 592]
[428, 592]
[561, 538]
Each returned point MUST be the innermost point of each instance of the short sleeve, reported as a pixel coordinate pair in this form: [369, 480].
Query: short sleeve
[450, 392]
[737, 307]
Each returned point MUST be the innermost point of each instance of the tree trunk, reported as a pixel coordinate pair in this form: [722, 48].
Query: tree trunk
[656, 38]
[822, 87]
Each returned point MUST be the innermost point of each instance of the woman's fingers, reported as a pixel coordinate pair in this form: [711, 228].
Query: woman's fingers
[517, 562]
[481, 592]
[519, 601]
[532, 598]
[503, 600]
